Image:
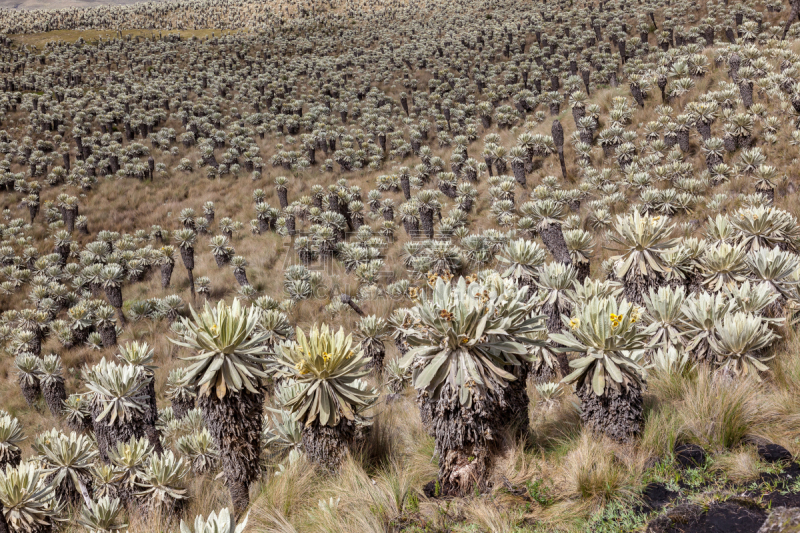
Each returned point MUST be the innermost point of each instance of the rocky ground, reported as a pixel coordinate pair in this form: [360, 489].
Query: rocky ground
[689, 502]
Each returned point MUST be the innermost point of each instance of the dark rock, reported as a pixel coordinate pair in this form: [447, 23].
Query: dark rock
[781, 498]
[690, 455]
[429, 490]
[731, 516]
[657, 495]
[682, 515]
[772, 453]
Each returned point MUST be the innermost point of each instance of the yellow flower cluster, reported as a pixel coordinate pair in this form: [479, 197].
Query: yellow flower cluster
[574, 323]
[433, 276]
[615, 320]
[303, 368]
[447, 315]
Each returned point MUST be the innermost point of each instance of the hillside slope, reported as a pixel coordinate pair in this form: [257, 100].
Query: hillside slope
[610, 186]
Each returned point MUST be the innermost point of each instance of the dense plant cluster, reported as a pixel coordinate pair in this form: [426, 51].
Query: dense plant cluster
[489, 211]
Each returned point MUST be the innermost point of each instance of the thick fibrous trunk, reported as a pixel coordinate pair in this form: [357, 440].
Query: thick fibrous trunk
[704, 129]
[211, 161]
[411, 226]
[69, 219]
[618, 413]
[426, 412]
[11, 458]
[187, 255]
[793, 14]
[553, 313]
[221, 259]
[662, 85]
[114, 295]
[636, 91]
[769, 193]
[181, 406]
[553, 239]
[426, 218]
[464, 436]
[84, 424]
[306, 256]
[54, 395]
[191, 282]
[519, 173]
[683, 140]
[516, 413]
[3, 524]
[35, 345]
[108, 436]
[746, 92]
[557, 131]
[405, 184]
[79, 335]
[30, 390]
[635, 287]
[375, 352]
[166, 274]
[578, 112]
[401, 344]
[583, 268]
[150, 415]
[241, 276]
[109, 335]
[63, 252]
[328, 446]
[541, 373]
[235, 424]
[120, 317]
[67, 492]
